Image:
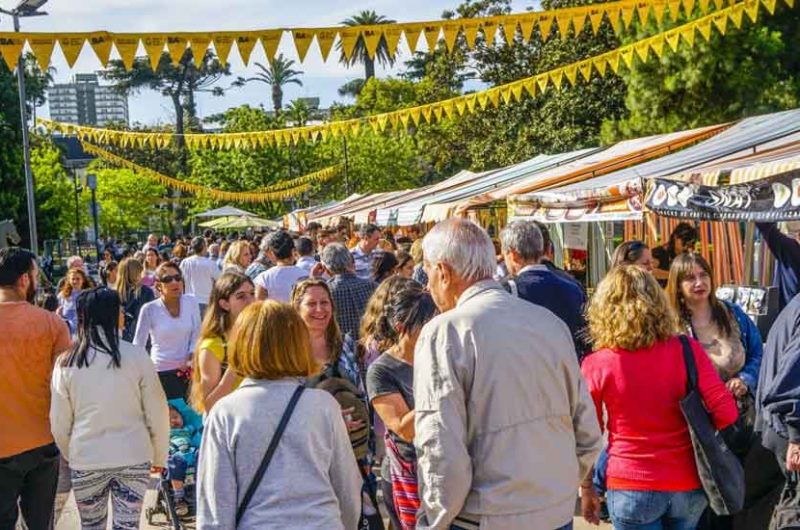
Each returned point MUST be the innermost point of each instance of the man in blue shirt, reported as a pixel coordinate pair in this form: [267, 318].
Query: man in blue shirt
[522, 245]
[786, 250]
[364, 253]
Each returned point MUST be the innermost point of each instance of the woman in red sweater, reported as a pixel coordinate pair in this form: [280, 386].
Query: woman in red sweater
[638, 375]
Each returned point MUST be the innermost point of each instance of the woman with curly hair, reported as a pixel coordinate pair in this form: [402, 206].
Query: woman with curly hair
[639, 376]
[77, 281]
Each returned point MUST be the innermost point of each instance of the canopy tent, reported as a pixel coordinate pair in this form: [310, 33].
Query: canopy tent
[330, 216]
[248, 221]
[225, 211]
[214, 223]
[620, 155]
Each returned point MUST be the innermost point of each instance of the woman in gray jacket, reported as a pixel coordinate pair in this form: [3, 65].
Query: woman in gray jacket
[312, 482]
[108, 414]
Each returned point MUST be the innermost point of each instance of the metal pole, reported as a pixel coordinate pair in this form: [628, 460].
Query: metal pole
[26, 148]
[96, 228]
[77, 209]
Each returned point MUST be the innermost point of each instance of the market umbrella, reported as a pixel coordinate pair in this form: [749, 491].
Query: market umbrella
[214, 223]
[225, 211]
[249, 221]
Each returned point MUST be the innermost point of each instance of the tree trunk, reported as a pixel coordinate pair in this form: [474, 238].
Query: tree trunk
[369, 68]
[190, 108]
[277, 98]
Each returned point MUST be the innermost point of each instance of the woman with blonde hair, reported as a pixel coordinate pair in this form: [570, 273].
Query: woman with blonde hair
[419, 273]
[639, 376]
[211, 381]
[238, 257]
[132, 294]
[312, 481]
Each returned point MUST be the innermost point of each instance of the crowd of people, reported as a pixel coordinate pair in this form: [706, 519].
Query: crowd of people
[335, 379]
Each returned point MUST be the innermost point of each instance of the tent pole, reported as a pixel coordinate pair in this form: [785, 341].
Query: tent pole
[749, 252]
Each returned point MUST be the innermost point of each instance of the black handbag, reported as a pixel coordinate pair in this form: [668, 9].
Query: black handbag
[721, 473]
[273, 444]
[787, 512]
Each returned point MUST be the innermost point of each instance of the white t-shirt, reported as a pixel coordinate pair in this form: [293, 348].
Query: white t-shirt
[306, 263]
[279, 280]
[172, 339]
[199, 274]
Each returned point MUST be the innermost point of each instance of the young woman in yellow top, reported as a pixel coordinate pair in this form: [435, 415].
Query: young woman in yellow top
[232, 292]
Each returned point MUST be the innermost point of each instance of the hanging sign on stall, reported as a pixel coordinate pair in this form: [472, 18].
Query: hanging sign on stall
[774, 199]
[576, 236]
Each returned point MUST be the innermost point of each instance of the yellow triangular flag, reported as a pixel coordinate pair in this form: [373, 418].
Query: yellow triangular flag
[571, 72]
[199, 45]
[585, 68]
[719, 3]
[530, 87]
[658, 11]
[509, 31]
[302, 41]
[674, 9]
[471, 28]
[461, 105]
[483, 99]
[101, 43]
[42, 47]
[643, 10]
[427, 111]
[154, 47]
[223, 42]
[450, 30]
[349, 38]
[596, 18]
[541, 81]
[176, 46]
[642, 50]
[431, 34]
[383, 119]
[71, 47]
[770, 5]
[579, 22]
[600, 63]
[703, 6]
[516, 90]
[270, 40]
[627, 16]
[415, 114]
[494, 96]
[505, 93]
[449, 108]
[372, 37]
[688, 35]
[751, 8]
[672, 38]
[789, 3]
[563, 22]
[736, 15]
[704, 27]
[392, 35]
[471, 100]
[126, 46]
[545, 26]
[615, 19]
[325, 39]
[489, 28]
[688, 7]
[657, 44]
[556, 77]
[627, 56]
[245, 43]
[721, 21]
[10, 49]
[526, 23]
[613, 61]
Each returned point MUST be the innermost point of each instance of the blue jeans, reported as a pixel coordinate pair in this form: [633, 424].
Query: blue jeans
[177, 466]
[656, 510]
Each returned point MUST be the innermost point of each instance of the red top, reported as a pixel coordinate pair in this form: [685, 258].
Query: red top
[648, 440]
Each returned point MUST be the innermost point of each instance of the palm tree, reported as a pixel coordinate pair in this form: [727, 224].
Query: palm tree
[279, 73]
[360, 56]
[298, 113]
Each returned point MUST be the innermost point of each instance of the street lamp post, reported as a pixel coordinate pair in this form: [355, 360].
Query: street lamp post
[26, 8]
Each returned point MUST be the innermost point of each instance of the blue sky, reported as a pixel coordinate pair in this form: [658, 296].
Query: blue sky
[319, 80]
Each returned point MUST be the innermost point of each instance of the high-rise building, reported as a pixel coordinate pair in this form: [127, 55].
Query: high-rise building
[86, 102]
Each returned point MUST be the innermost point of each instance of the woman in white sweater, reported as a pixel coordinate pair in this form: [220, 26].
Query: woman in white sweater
[312, 481]
[108, 415]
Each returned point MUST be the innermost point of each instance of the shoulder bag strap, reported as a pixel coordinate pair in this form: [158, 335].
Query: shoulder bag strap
[273, 445]
[691, 367]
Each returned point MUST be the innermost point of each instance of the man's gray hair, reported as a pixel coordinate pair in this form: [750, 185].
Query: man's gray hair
[523, 237]
[463, 245]
[336, 258]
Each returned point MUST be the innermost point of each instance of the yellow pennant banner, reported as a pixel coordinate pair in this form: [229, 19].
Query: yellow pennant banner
[222, 195]
[572, 74]
[620, 13]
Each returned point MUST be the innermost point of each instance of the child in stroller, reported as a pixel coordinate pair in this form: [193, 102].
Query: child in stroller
[186, 428]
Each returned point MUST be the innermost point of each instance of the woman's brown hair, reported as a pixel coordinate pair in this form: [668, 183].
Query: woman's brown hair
[683, 266]
[372, 315]
[129, 279]
[163, 270]
[270, 341]
[333, 336]
[628, 253]
[629, 310]
[66, 289]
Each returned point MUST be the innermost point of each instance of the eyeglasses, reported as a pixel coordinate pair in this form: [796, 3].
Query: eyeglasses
[170, 279]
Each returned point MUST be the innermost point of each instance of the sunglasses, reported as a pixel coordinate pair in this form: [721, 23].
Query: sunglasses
[170, 279]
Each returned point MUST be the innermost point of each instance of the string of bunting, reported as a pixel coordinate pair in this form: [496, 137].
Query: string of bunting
[202, 191]
[602, 65]
[556, 21]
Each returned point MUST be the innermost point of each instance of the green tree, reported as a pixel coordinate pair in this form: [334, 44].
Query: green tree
[12, 190]
[298, 113]
[36, 83]
[279, 73]
[383, 54]
[55, 193]
[126, 200]
[752, 70]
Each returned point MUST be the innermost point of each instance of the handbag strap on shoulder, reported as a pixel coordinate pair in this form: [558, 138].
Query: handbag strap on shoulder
[273, 445]
[691, 367]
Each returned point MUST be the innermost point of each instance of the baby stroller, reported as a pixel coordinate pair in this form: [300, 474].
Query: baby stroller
[165, 501]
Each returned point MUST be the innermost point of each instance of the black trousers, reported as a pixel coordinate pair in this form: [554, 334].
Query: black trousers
[29, 480]
[175, 384]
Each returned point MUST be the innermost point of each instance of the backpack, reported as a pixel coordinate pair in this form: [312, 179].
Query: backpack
[348, 396]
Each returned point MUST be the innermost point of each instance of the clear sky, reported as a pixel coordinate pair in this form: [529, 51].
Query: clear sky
[319, 80]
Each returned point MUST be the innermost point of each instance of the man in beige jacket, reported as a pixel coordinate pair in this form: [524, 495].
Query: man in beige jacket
[505, 428]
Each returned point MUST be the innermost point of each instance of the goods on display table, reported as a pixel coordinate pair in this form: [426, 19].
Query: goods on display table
[760, 303]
